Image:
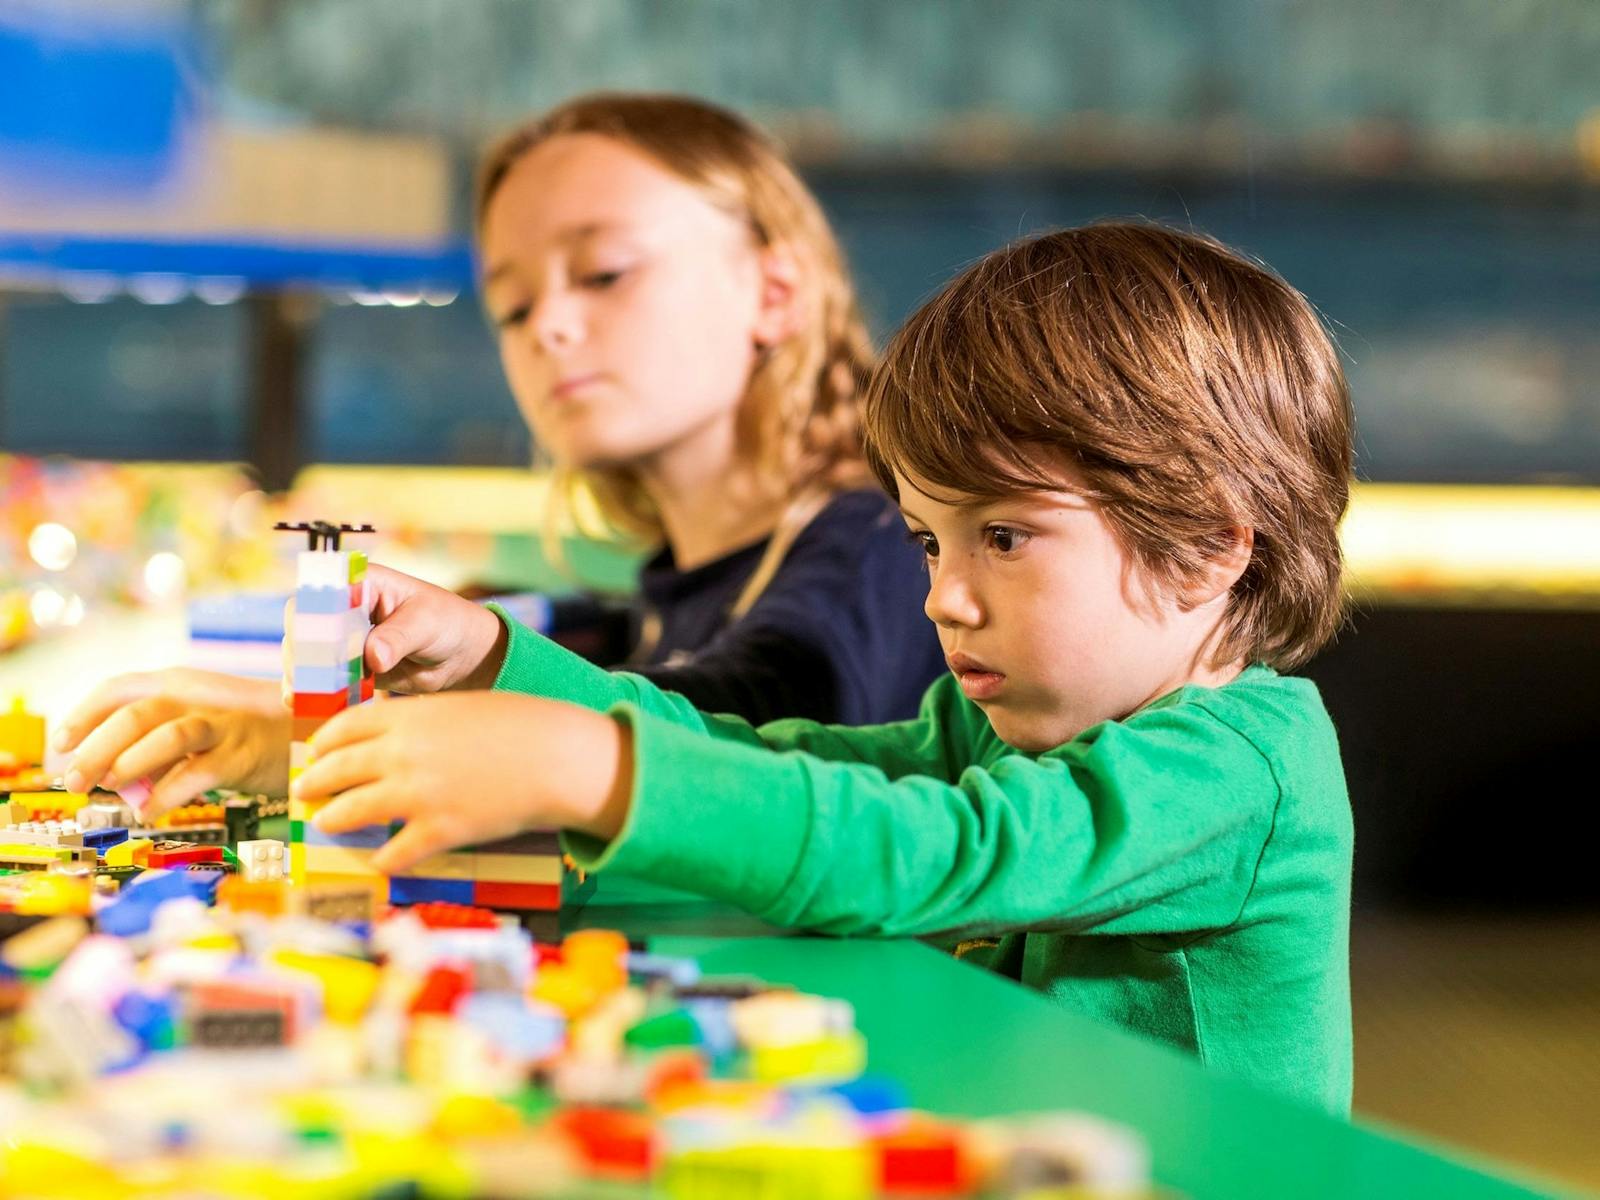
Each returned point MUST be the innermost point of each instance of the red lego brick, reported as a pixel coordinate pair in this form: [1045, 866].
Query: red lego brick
[440, 914]
[441, 990]
[613, 1143]
[175, 854]
[926, 1158]
[366, 687]
[539, 897]
[357, 595]
[320, 704]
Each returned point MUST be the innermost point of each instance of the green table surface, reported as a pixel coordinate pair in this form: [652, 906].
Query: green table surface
[965, 1042]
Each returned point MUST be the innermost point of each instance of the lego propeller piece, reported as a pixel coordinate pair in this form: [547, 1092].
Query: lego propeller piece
[322, 535]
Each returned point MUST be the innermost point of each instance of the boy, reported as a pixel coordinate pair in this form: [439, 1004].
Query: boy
[1125, 452]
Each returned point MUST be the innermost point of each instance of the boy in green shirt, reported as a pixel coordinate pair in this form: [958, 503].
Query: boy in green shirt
[1125, 451]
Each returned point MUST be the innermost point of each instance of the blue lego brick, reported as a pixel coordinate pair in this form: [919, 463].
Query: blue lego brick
[130, 913]
[404, 890]
[321, 680]
[369, 837]
[321, 599]
[99, 839]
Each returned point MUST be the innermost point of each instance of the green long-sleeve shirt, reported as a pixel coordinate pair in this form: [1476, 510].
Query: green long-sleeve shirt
[1184, 872]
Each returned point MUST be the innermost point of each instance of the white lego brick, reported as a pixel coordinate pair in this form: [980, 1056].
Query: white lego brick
[263, 859]
[323, 568]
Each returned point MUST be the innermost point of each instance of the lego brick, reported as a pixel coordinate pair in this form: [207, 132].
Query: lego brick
[301, 728]
[297, 831]
[533, 841]
[518, 868]
[366, 688]
[128, 853]
[297, 864]
[102, 840]
[358, 566]
[452, 865]
[369, 837]
[342, 897]
[331, 628]
[410, 890]
[322, 600]
[358, 595]
[529, 897]
[327, 655]
[355, 642]
[322, 568]
[324, 706]
[337, 860]
[263, 859]
[320, 679]
[172, 854]
[41, 833]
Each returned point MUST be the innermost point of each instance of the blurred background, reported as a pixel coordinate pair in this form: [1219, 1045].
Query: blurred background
[236, 286]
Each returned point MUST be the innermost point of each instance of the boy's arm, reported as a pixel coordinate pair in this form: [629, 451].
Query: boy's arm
[1153, 825]
[938, 742]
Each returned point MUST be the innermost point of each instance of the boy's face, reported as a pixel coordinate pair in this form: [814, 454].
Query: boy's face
[1043, 617]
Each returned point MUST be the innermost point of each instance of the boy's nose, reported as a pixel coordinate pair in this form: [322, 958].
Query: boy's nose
[951, 601]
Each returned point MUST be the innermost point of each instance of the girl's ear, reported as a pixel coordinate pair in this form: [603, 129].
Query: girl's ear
[780, 312]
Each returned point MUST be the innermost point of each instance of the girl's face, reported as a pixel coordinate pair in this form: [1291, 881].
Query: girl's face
[629, 307]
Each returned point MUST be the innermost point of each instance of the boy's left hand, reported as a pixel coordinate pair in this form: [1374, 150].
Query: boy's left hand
[468, 767]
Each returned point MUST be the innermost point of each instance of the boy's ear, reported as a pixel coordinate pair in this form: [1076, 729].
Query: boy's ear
[1222, 570]
[779, 314]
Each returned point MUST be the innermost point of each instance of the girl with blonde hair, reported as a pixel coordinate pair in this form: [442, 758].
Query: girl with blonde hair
[679, 330]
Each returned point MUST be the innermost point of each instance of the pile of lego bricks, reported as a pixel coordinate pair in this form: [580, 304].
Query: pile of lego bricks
[327, 637]
[187, 1050]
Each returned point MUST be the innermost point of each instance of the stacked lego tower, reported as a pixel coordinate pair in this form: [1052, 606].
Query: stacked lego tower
[328, 635]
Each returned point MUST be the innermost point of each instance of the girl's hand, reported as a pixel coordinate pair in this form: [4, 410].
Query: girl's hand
[468, 768]
[189, 730]
[427, 639]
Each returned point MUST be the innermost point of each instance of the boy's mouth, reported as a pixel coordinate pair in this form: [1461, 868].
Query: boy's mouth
[978, 680]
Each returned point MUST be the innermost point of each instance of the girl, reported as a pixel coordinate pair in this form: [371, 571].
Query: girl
[677, 326]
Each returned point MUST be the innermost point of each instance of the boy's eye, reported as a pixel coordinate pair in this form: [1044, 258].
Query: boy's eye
[1005, 539]
[929, 543]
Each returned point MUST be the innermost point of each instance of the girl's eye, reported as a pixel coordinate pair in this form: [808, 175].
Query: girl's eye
[600, 280]
[513, 316]
[929, 543]
[1005, 539]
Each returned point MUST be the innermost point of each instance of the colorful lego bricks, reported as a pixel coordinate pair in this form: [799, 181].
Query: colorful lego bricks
[327, 674]
[326, 668]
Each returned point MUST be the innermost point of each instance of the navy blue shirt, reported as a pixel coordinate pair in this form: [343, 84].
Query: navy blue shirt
[839, 635]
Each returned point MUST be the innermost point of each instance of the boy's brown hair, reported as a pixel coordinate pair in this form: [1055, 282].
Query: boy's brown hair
[1191, 390]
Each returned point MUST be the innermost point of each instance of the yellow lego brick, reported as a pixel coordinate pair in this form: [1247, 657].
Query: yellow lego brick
[12, 813]
[348, 984]
[518, 868]
[455, 865]
[35, 801]
[121, 855]
[297, 863]
[36, 856]
[358, 566]
[22, 733]
[337, 860]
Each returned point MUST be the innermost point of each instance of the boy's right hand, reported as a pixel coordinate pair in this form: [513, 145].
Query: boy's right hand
[427, 639]
[190, 731]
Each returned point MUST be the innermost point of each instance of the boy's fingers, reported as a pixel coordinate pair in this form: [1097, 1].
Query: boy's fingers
[370, 804]
[418, 840]
[330, 774]
[168, 743]
[114, 735]
[351, 727]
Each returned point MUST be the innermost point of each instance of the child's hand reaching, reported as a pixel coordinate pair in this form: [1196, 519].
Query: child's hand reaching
[468, 768]
[189, 730]
[427, 639]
